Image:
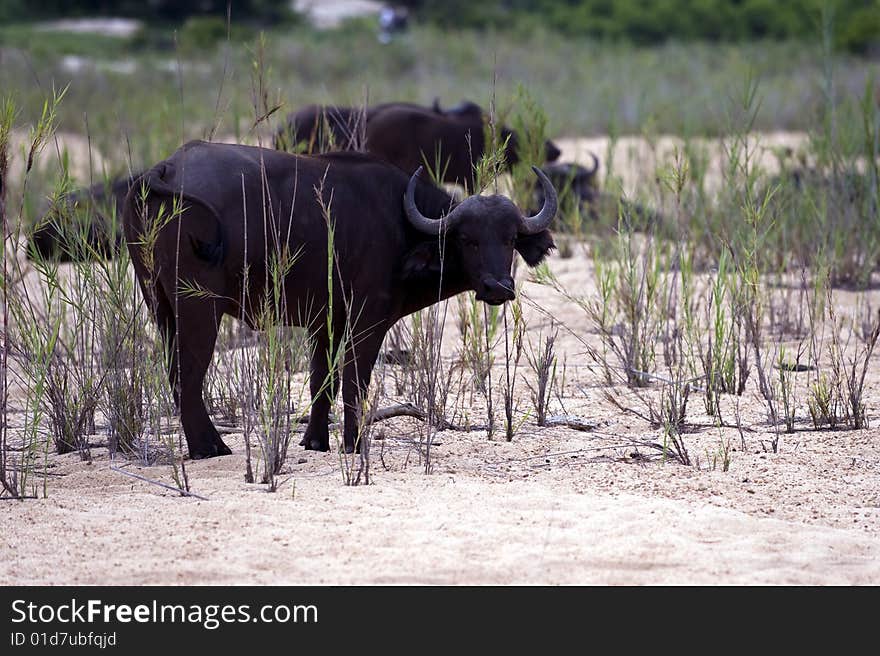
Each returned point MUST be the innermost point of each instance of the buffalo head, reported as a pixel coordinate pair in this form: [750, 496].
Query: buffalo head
[465, 108]
[551, 151]
[484, 231]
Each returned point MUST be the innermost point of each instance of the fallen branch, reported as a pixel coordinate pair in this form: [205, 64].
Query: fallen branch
[381, 414]
[409, 410]
[36, 472]
[570, 421]
[159, 483]
[399, 410]
[796, 367]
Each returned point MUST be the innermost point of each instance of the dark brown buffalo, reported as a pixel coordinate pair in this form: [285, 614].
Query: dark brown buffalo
[579, 186]
[322, 128]
[82, 224]
[578, 181]
[388, 260]
[464, 108]
[317, 129]
[406, 135]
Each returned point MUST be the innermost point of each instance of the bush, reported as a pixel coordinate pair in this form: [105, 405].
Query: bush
[203, 33]
[860, 31]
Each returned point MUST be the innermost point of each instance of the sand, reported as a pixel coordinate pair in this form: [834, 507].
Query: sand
[486, 515]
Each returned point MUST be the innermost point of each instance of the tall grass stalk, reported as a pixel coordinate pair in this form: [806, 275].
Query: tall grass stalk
[8, 474]
[27, 335]
[542, 361]
[512, 339]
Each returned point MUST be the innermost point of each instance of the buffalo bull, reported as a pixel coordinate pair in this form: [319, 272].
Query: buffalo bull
[579, 186]
[322, 128]
[452, 143]
[82, 224]
[464, 108]
[399, 245]
[579, 182]
[407, 136]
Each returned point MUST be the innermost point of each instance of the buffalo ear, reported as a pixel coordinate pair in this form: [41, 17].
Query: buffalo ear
[534, 248]
[422, 259]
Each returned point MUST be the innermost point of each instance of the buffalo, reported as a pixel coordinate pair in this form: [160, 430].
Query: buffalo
[579, 187]
[82, 224]
[574, 179]
[322, 128]
[406, 135]
[399, 244]
[462, 109]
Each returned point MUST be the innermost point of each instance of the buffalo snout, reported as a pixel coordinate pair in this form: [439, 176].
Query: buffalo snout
[496, 291]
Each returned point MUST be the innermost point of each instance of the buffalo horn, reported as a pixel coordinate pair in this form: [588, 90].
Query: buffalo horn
[595, 164]
[419, 220]
[531, 225]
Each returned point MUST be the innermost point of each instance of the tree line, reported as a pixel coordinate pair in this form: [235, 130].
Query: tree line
[855, 23]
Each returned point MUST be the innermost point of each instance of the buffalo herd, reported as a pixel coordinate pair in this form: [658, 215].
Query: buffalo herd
[366, 239]
[406, 135]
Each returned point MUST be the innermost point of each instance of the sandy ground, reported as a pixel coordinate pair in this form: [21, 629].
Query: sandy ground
[546, 508]
[637, 161]
[555, 505]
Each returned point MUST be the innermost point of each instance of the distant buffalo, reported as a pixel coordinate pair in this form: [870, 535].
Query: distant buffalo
[399, 245]
[323, 128]
[406, 135]
[317, 129]
[464, 108]
[82, 224]
[578, 186]
[579, 182]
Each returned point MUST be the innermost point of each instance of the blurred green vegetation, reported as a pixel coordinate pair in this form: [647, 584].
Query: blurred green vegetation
[585, 86]
[647, 22]
[640, 22]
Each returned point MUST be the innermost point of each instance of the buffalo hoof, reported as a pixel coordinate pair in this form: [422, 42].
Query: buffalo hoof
[211, 451]
[312, 444]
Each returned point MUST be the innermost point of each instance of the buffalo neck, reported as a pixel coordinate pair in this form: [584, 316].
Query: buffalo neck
[437, 284]
[443, 277]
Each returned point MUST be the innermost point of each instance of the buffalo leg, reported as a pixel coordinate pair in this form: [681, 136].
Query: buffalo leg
[323, 385]
[197, 327]
[355, 381]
